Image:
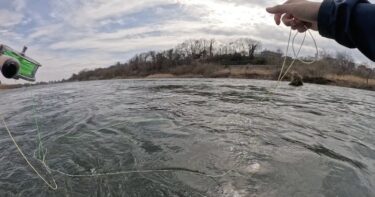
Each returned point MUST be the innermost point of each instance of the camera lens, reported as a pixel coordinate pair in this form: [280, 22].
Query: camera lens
[10, 68]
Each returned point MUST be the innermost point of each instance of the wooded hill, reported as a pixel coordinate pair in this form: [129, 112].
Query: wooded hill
[241, 58]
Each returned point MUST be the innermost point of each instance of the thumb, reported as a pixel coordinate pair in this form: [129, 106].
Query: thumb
[279, 9]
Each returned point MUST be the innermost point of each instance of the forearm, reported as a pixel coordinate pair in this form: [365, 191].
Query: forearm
[350, 22]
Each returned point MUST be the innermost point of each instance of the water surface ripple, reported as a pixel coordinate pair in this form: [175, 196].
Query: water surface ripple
[308, 141]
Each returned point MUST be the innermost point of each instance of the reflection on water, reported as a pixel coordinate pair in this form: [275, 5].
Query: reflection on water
[309, 141]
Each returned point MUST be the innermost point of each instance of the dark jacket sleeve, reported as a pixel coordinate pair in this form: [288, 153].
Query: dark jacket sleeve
[350, 22]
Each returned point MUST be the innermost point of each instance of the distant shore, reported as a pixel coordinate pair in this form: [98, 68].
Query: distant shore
[260, 72]
[5, 86]
[270, 73]
[240, 58]
[349, 81]
[242, 72]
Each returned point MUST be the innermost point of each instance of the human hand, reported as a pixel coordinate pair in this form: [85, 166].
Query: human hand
[298, 14]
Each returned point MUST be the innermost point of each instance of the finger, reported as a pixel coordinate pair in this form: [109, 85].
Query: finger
[307, 25]
[299, 23]
[288, 19]
[299, 26]
[314, 26]
[278, 18]
[301, 29]
[292, 1]
[279, 9]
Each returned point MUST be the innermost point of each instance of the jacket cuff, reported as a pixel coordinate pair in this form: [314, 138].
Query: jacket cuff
[326, 21]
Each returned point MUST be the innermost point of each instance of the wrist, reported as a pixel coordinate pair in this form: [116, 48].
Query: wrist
[316, 9]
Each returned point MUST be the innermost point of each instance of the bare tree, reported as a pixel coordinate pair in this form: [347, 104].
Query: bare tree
[365, 71]
[345, 62]
[211, 48]
[249, 45]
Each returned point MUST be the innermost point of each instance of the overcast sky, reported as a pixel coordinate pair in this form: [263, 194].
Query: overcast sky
[67, 36]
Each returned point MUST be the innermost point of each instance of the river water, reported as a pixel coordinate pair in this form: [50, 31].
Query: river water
[307, 141]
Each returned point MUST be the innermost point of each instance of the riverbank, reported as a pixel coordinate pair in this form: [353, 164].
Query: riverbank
[267, 73]
[260, 72]
[5, 87]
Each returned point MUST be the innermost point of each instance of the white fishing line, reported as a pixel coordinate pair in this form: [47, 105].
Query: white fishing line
[52, 185]
[41, 152]
[296, 54]
[291, 43]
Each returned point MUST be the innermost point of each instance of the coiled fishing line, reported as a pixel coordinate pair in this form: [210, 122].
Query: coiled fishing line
[291, 44]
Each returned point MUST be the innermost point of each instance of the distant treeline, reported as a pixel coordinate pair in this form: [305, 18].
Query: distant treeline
[208, 57]
[190, 52]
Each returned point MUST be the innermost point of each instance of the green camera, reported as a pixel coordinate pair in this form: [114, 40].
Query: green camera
[16, 65]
